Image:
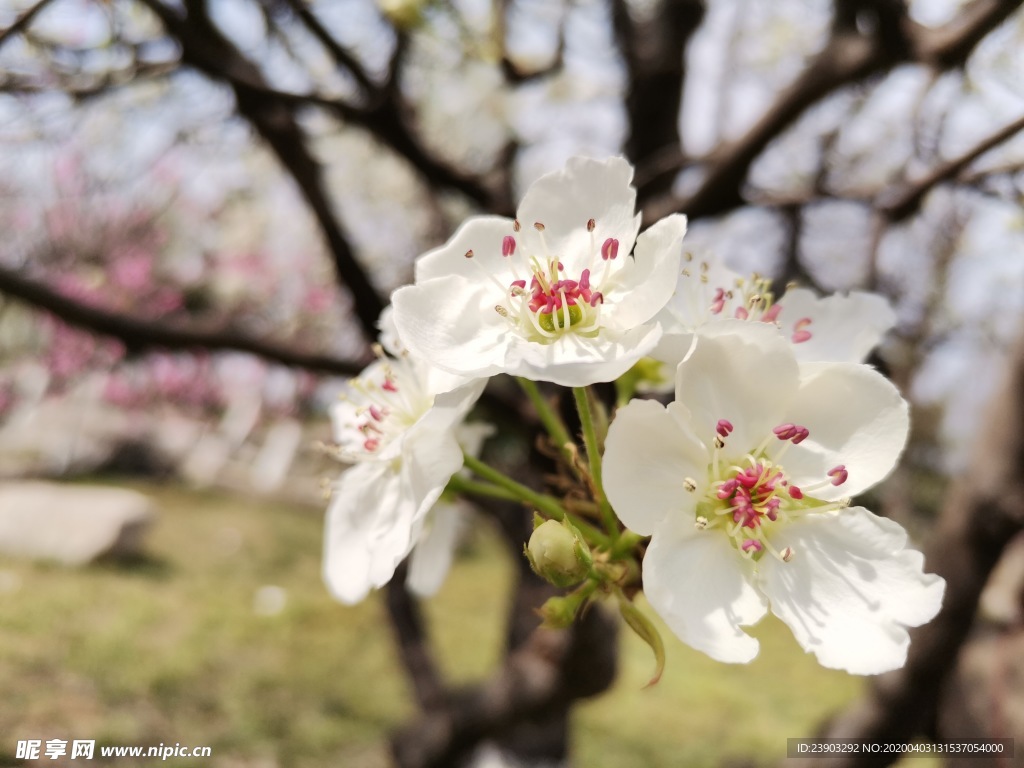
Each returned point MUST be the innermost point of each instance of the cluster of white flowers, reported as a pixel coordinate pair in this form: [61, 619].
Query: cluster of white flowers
[743, 482]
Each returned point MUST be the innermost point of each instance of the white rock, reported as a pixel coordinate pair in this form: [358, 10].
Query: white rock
[71, 524]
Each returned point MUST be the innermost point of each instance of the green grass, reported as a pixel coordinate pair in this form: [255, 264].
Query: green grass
[171, 649]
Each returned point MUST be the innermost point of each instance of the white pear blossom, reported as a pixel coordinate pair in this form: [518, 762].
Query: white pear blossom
[836, 328]
[744, 484]
[554, 295]
[405, 443]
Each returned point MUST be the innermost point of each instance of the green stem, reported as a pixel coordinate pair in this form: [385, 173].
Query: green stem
[549, 505]
[465, 486]
[550, 419]
[611, 524]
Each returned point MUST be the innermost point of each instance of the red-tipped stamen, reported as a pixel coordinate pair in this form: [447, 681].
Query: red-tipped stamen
[800, 334]
[610, 249]
[838, 474]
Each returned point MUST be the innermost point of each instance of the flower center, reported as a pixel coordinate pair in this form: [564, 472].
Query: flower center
[750, 299]
[750, 497]
[378, 407]
[542, 302]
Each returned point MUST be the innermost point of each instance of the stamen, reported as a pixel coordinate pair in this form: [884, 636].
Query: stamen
[718, 303]
[838, 474]
[501, 310]
[538, 226]
[793, 432]
[724, 427]
[785, 431]
[516, 226]
[801, 335]
[610, 249]
[508, 245]
[690, 484]
[469, 254]
[751, 547]
[590, 225]
[786, 554]
[772, 314]
[700, 523]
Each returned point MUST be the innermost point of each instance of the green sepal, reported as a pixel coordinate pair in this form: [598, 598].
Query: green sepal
[647, 632]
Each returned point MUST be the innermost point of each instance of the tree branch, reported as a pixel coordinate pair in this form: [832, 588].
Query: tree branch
[848, 56]
[137, 334]
[550, 670]
[206, 49]
[413, 644]
[653, 51]
[905, 201]
[338, 52]
[21, 23]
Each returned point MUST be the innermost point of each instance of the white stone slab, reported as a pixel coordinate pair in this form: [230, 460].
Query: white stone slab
[71, 524]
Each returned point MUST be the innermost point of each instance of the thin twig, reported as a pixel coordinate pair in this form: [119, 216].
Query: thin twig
[907, 201]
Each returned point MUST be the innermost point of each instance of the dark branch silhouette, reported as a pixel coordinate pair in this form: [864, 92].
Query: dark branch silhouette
[137, 334]
[847, 57]
[904, 202]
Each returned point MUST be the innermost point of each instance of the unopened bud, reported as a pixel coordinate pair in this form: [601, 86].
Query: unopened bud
[558, 555]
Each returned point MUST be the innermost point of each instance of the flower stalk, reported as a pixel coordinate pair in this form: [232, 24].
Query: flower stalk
[590, 440]
[549, 505]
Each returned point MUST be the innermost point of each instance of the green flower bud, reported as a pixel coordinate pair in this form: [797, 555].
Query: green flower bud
[558, 554]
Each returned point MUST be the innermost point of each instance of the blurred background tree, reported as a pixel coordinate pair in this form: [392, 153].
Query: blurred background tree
[206, 204]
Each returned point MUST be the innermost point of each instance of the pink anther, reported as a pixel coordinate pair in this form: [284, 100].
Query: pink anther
[838, 474]
[610, 249]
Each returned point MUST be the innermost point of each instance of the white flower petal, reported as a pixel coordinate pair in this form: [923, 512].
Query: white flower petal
[483, 235]
[645, 283]
[739, 371]
[842, 328]
[432, 379]
[577, 361]
[563, 201]
[851, 589]
[856, 417]
[703, 590]
[646, 459]
[368, 531]
[452, 323]
[432, 555]
[672, 349]
[430, 452]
